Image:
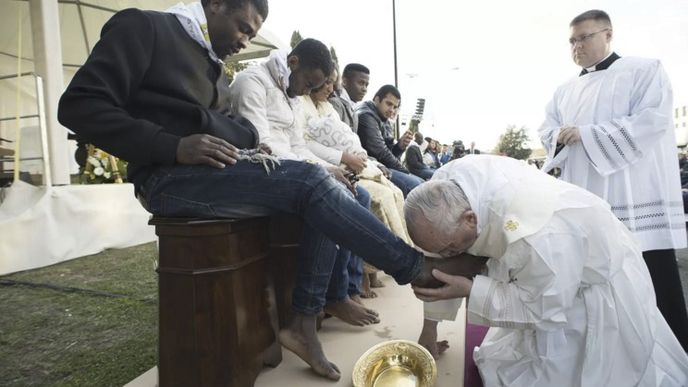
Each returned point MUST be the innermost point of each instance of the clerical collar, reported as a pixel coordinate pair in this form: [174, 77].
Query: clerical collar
[601, 65]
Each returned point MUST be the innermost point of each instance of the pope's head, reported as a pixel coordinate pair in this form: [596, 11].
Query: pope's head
[440, 219]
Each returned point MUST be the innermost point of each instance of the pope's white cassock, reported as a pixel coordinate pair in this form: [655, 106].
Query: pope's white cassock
[627, 154]
[567, 294]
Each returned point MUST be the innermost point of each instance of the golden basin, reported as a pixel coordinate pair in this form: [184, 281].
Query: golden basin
[395, 363]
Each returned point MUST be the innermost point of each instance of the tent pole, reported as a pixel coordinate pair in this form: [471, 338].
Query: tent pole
[47, 51]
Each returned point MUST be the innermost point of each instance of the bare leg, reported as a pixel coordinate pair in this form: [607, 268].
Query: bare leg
[300, 338]
[352, 313]
[357, 299]
[428, 339]
[375, 282]
[366, 291]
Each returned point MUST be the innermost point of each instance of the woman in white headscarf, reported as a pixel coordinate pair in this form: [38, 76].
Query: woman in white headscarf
[567, 296]
[333, 141]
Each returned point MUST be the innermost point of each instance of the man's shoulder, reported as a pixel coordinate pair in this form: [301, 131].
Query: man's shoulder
[635, 62]
[337, 103]
[256, 74]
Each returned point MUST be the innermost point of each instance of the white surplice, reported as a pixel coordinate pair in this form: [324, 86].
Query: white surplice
[627, 154]
[567, 296]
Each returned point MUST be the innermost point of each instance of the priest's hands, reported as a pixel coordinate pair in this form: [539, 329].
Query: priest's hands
[455, 286]
[206, 149]
[569, 135]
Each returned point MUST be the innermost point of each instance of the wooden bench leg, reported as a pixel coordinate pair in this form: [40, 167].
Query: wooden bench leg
[217, 314]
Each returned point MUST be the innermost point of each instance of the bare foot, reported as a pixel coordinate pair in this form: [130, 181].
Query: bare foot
[356, 298]
[366, 291]
[300, 338]
[466, 265]
[375, 282]
[428, 339]
[352, 313]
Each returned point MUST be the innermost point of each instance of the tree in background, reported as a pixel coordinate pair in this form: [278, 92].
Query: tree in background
[295, 38]
[231, 68]
[513, 143]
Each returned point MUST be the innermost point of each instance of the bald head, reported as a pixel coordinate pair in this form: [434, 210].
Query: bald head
[439, 217]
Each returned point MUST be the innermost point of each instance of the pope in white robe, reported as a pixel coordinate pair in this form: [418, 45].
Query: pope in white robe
[567, 296]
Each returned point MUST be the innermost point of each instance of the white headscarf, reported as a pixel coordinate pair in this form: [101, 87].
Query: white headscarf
[193, 20]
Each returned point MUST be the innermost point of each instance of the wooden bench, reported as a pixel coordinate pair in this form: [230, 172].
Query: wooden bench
[224, 290]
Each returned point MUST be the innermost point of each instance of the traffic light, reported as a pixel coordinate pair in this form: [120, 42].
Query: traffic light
[420, 107]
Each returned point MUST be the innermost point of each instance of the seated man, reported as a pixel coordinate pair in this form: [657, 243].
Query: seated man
[267, 95]
[415, 157]
[354, 86]
[153, 93]
[567, 296]
[377, 136]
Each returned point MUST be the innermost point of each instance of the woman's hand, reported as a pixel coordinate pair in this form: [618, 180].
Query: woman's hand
[356, 163]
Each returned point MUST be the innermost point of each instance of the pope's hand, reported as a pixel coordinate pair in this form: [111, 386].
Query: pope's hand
[569, 135]
[206, 149]
[455, 286]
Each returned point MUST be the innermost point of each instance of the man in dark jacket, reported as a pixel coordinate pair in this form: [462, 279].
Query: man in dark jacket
[414, 158]
[377, 135]
[153, 93]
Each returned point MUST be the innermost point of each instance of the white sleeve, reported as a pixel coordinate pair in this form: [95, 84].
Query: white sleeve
[248, 98]
[614, 145]
[326, 153]
[549, 132]
[298, 146]
[442, 309]
[544, 280]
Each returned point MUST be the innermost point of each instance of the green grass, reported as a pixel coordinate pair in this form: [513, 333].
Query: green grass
[105, 335]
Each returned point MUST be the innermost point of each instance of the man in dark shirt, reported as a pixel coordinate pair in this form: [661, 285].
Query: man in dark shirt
[153, 93]
[354, 86]
[377, 135]
[414, 158]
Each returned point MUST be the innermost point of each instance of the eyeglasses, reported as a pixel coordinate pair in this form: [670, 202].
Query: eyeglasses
[585, 38]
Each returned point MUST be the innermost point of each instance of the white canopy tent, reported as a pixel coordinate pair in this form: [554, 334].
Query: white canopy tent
[56, 37]
[48, 40]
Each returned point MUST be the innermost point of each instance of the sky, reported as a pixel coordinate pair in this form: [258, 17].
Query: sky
[481, 66]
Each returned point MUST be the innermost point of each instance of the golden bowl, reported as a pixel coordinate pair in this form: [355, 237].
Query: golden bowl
[395, 363]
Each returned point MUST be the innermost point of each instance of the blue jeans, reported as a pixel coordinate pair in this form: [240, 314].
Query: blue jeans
[405, 181]
[424, 173]
[347, 274]
[331, 215]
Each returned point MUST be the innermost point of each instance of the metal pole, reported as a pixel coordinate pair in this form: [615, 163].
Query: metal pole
[396, 73]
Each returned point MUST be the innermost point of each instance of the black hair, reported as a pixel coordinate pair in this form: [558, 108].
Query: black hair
[313, 54]
[353, 68]
[387, 89]
[261, 5]
[593, 14]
